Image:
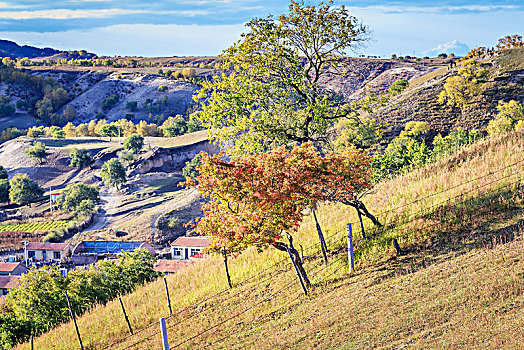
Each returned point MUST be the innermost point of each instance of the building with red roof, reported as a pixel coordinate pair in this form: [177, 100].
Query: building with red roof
[7, 282]
[46, 251]
[12, 269]
[185, 248]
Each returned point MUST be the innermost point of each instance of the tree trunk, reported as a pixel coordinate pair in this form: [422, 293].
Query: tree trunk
[295, 257]
[359, 205]
[323, 245]
[361, 223]
[227, 271]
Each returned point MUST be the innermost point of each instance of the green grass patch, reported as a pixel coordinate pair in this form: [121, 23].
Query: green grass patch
[510, 60]
[33, 227]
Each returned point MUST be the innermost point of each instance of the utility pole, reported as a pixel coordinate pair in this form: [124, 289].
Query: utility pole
[50, 198]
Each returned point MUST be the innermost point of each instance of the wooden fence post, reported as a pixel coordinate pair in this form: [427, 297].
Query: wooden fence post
[163, 331]
[351, 259]
[297, 271]
[74, 320]
[125, 315]
[168, 299]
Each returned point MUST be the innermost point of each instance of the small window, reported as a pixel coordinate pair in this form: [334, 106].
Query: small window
[56, 255]
[177, 252]
[195, 251]
[31, 254]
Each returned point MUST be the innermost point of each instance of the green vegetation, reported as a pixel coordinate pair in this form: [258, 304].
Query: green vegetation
[174, 126]
[398, 86]
[38, 303]
[37, 152]
[447, 216]
[4, 190]
[410, 149]
[190, 171]
[79, 198]
[109, 102]
[80, 158]
[113, 173]
[6, 107]
[131, 106]
[3, 173]
[510, 116]
[35, 227]
[251, 113]
[23, 190]
[460, 88]
[134, 143]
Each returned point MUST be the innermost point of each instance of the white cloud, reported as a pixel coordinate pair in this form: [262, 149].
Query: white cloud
[455, 46]
[436, 9]
[65, 14]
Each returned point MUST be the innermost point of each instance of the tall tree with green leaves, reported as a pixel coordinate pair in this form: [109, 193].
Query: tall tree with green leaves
[37, 152]
[75, 194]
[134, 143]
[80, 158]
[3, 173]
[4, 190]
[113, 173]
[23, 190]
[274, 91]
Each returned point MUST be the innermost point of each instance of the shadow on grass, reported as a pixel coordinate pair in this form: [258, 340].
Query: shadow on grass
[481, 222]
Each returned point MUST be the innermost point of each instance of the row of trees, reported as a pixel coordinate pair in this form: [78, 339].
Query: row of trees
[171, 127]
[38, 302]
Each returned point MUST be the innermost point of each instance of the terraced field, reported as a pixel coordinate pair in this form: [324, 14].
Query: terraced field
[36, 226]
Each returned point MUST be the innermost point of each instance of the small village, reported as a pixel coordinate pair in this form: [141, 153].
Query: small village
[67, 257]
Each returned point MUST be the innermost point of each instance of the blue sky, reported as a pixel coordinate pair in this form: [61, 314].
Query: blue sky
[206, 27]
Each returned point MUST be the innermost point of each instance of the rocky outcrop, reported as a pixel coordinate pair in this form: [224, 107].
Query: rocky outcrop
[169, 159]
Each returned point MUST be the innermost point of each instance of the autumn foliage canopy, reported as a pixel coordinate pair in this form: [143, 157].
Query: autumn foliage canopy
[251, 201]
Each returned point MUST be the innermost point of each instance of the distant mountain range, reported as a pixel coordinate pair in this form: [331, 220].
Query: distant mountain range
[13, 50]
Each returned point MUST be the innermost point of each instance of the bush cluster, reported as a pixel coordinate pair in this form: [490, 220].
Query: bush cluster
[38, 303]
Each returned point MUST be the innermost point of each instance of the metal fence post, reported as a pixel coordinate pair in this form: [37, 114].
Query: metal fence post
[163, 331]
[351, 259]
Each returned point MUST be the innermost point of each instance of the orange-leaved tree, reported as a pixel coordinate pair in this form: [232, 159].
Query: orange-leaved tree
[255, 200]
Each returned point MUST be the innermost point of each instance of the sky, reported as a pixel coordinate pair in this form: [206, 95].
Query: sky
[206, 27]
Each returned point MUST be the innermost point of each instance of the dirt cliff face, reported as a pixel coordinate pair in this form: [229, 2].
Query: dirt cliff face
[169, 159]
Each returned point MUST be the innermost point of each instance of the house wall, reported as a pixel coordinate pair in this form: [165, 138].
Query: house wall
[183, 256]
[39, 254]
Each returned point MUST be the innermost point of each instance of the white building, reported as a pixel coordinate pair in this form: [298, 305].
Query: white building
[186, 248]
[45, 251]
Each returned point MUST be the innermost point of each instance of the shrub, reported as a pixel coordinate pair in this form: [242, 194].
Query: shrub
[37, 151]
[109, 101]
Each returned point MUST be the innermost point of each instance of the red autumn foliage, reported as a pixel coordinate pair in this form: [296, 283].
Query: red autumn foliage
[253, 200]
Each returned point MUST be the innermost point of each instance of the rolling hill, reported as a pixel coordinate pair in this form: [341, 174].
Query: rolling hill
[457, 283]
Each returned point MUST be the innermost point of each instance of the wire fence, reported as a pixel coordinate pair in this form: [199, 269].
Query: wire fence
[284, 267]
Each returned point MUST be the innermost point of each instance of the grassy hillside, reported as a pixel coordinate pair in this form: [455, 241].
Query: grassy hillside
[458, 283]
[420, 101]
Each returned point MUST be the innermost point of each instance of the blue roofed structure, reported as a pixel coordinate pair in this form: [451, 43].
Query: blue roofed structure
[110, 247]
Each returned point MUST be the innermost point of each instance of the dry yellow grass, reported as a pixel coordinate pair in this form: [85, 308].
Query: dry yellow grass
[450, 289]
